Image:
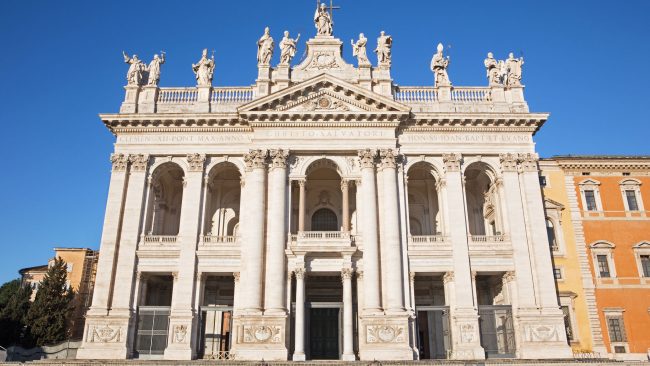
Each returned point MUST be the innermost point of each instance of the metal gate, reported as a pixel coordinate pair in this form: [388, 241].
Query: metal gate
[153, 329]
[497, 330]
[216, 332]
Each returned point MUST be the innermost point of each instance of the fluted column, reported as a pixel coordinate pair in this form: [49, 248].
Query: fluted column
[346, 205]
[370, 238]
[348, 333]
[276, 234]
[301, 205]
[299, 332]
[391, 249]
[253, 207]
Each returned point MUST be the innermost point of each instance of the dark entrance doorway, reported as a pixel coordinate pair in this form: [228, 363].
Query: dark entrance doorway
[324, 333]
[433, 332]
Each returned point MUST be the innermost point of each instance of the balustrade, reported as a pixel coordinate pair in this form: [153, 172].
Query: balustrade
[488, 238]
[177, 95]
[218, 239]
[419, 239]
[159, 239]
[416, 94]
[231, 95]
[471, 95]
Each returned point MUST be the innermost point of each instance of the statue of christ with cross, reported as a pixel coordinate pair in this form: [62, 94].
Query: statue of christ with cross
[323, 18]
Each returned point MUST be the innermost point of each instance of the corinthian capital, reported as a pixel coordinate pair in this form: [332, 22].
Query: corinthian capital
[528, 162]
[255, 159]
[139, 162]
[278, 158]
[367, 158]
[388, 158]
[346, 273]
[195, 162]
[452, 162]
[119, 162]
[299, 273]
[508, 162]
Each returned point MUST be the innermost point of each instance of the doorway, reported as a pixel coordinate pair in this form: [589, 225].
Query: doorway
[434, 336]
[324, 333]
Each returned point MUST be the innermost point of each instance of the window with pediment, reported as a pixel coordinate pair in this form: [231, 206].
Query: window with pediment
[603, 259]
[631, 194]
[642, 256]
[590, 194]
[554, 226]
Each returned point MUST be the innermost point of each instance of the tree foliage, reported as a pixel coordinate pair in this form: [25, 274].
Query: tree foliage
[14, 305]
[48, 317]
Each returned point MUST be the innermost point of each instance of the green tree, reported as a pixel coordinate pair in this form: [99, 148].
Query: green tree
[48, 317]
[14, 305]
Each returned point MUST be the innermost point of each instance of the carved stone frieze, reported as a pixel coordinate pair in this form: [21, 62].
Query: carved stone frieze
[384, 333]
[541, 333]
[262, 333]
[119, 161]
[324, 61]
[278, 158]
[367, 158]
[255, 159]
[388, 158]
[105, 333]
[452, 162]
[195, 162]
[139, 162]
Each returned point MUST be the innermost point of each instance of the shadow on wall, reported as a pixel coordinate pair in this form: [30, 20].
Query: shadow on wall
[65, 350]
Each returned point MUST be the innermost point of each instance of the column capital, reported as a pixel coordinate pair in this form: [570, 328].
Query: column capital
[255, 159]
[388, 158]
[346, 273]
[508, 162]
[411, 276]
[360, 275]
[344, 184]
[236, 276]
[452, 162]
[509, 276]
[195, 162]
[448, 277]
[299, 273]
[119, 161]
[278, 158]
[367, 158]
[139, 162]
[528, 162]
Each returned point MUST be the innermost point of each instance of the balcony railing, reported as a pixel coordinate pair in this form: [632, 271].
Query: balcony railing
[416, 94]
[427, 239]
[471, 95]
[177, 95]
[159, 239]
[323, 235]
[236, 95]
[488, 238]
[218, 239]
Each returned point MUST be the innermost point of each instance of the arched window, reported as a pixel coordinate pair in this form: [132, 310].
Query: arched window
[550, 231]
[324, 220]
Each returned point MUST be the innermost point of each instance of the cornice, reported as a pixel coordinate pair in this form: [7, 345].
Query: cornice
[593, 166]
[526, 121]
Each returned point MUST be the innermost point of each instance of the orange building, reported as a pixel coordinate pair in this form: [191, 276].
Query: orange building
[608, 197]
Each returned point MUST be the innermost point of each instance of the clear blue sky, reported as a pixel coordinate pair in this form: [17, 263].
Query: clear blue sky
[587, 63]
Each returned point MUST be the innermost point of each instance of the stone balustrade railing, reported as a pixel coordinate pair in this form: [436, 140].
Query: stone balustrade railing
[471, 95]
[177, 95]
[159, 239]
[323, 235]
[416, 94]
[488, 238]
[425, 239]
[236, 95]
[219, 239]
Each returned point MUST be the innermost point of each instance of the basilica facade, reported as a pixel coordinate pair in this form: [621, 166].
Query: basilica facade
[325, 212]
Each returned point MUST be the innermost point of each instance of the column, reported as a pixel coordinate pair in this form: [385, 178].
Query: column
[391, 244]
[237, 287]
[464, 315]
[299, 332]
[346, 205]
[348, 332]
[370, 238]
[301, 205]
[253, 207]
[276, 234]
[183, 313]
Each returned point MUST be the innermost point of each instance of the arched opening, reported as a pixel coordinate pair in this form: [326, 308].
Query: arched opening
[223, 197]
[423, 201]
[324, 219]
[165, 199]
[550, 231]
[483, 211]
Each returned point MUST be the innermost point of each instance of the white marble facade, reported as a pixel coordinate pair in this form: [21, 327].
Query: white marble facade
[412, 215]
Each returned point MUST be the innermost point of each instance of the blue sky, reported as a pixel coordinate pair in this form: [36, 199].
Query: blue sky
[586, 62]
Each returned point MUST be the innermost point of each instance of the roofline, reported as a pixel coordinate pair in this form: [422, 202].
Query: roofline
[23, 270]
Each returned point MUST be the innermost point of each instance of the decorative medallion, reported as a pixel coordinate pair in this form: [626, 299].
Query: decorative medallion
[180, 332]
[262, 334]
[324, 61]
[105, 334]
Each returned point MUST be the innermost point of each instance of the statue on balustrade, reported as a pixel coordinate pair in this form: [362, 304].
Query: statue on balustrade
[359, 50]
[384, 45]
[204, 69]
[514, 69]
[154, 69]
[265, 48]
[439, 64]
[135, 74]
[287, 48]
[492, 69]
[323, 21]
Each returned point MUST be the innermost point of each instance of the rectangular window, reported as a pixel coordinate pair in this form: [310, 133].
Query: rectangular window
[632, 205]
[616, 329]
[645, 265]
[619, 349]
[567, 323]
[603, 265]
[557, 272]
[542, 181]
[590, 198]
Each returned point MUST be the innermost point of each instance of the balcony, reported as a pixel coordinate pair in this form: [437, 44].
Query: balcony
[488, 238]
[211, 240]
[490, 246]
[158, 246]
[158, 240]
[322, 241]
[429, 246]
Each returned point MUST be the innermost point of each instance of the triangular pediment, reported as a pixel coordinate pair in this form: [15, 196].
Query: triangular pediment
[550, 204]
[324, 94]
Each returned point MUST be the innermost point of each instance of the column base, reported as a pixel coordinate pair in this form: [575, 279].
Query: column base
[105, 338]
[299, 357]
[466, 339]
[260, 337]
[542, 335]
[384, 337]
[350, 357]
[181, 329]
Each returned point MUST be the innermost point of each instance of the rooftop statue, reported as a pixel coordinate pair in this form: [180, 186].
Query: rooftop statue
[514, 66]
[135, 74]
[265, 48]
[383, 50]
[204, 69]
[323, 21]
[287, 48]
[494, 70]
[439, 64]
[154, 69]
[359, 50]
